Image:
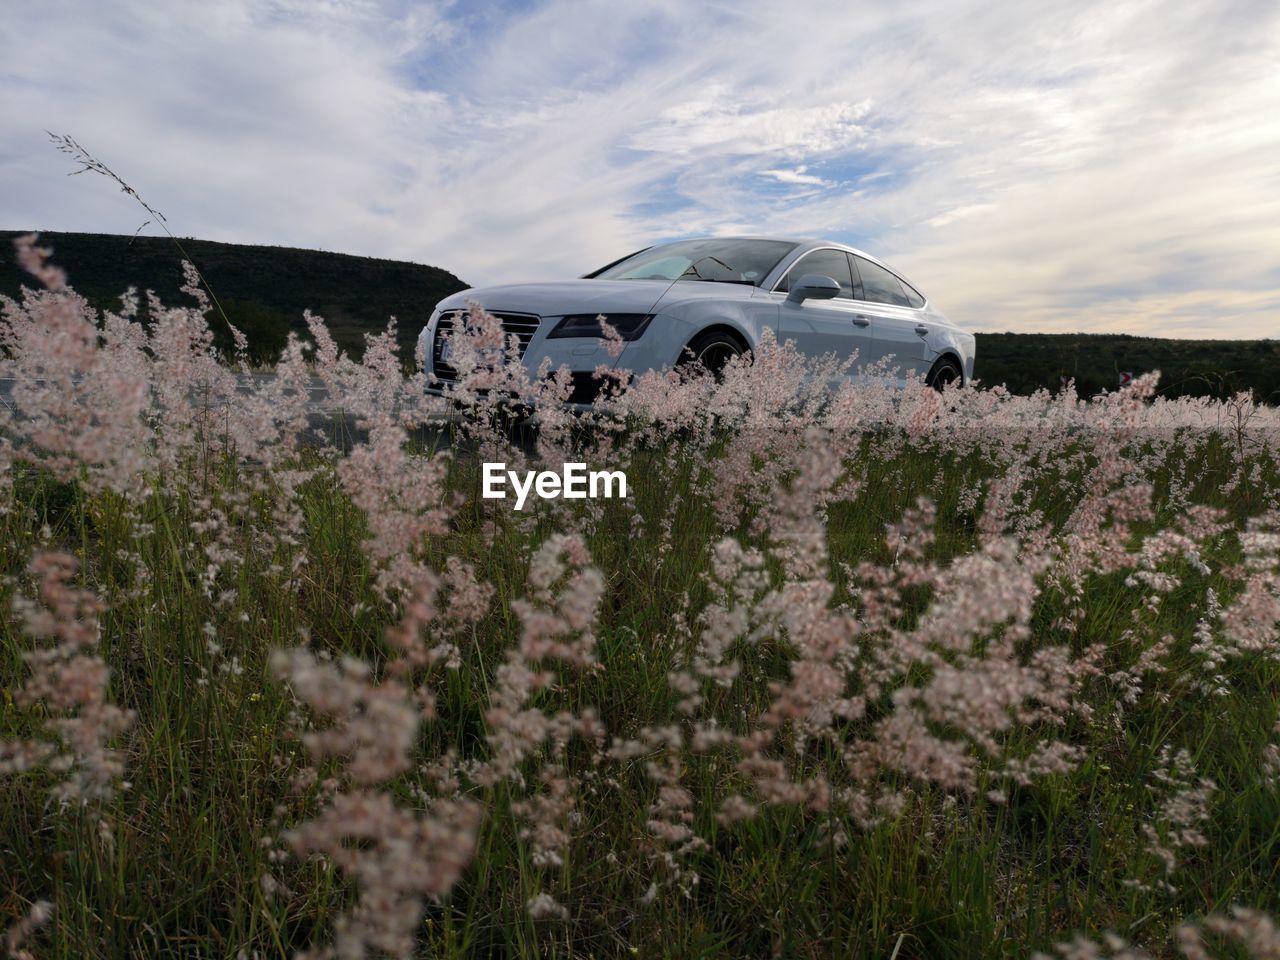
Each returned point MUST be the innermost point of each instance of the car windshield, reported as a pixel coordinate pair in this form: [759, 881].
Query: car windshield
[716, 260]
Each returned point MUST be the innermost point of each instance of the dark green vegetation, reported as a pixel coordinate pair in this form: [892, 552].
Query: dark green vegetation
[1189, 368]
[263, 290]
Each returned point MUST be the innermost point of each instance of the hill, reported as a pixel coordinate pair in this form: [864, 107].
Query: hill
[1024, 362]
[264, 290]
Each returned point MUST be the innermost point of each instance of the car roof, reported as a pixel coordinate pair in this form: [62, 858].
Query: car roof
[807, 243]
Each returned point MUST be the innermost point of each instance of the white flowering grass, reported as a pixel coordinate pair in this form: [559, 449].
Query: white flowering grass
[942, 675]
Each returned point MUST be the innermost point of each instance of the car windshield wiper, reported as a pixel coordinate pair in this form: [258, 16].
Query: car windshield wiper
[691, 272]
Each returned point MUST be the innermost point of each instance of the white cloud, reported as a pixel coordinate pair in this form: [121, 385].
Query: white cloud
[797, 176]
[1032, 165]
[958, 213]
[717, 122]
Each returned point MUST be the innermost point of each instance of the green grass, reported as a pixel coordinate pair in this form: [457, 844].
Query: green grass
[950, 876]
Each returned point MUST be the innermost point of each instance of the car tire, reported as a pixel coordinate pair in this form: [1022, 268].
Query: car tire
[944, 373]
[712, 350]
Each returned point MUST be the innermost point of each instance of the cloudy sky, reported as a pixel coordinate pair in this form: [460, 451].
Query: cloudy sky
[1032, 166]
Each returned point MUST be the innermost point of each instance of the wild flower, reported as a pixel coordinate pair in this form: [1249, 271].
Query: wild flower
[68, 683]
[1252, 622]
[16, 937]
[557, 625]
[1111, 947]
[404, 501]
[1271, 761]
[543, 906]
[671, 839]
[1179, 821]
[547, 814]
[1256, 931]
[82, 391]
[397, 858]
[396, 855]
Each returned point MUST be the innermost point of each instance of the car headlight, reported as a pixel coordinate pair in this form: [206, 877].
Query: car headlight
[628, 325]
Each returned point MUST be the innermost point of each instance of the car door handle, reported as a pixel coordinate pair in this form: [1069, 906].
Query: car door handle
[861, 320]
[922, 329]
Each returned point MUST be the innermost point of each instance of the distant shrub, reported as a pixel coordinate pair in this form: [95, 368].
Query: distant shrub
[266, 330]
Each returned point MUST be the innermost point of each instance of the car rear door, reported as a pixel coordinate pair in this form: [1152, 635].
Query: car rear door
[898, 329]
[825, 326]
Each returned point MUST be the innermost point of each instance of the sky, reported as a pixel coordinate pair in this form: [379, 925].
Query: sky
[1055, 167]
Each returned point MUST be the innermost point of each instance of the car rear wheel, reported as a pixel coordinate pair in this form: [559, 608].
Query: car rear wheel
[712, 350]
[944, 373]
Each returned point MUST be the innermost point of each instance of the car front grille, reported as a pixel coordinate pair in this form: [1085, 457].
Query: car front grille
[522, 325]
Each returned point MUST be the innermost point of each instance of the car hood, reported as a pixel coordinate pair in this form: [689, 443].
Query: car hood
[559, 297]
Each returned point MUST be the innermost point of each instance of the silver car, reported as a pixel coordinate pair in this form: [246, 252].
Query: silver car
[708, 300]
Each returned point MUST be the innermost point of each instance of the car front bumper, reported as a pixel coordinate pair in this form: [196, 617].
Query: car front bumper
[656, 349]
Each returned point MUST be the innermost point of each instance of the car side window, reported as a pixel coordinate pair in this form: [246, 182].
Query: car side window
[827, 263]
[881, 286]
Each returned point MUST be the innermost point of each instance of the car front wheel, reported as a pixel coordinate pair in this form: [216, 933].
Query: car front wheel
[712, 350]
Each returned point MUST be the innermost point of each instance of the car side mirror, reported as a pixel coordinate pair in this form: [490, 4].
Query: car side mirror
[813, 286]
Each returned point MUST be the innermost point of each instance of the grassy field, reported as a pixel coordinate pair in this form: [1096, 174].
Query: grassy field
[875, 675]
